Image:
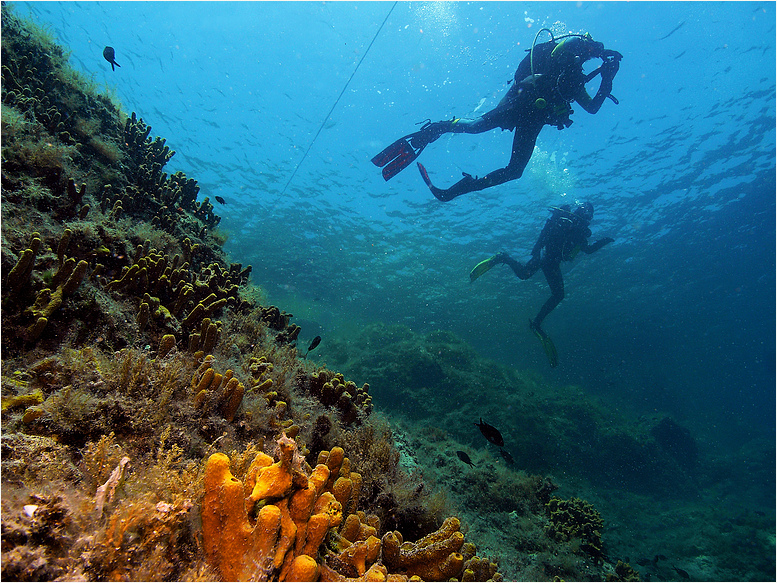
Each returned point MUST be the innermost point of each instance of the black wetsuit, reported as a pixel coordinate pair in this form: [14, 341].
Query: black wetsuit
[532, 102]
[564, 234]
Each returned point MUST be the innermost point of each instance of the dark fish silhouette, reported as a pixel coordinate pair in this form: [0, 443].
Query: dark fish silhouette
[683, 574]
[110, 56]
[491, 433]
[465, 458]
[509, 458]
[316, 342]
[674, 30]
[220, 200]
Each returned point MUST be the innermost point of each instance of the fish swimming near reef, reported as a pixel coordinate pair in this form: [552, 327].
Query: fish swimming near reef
[684, 574]
[110, 56]
[220, 200]
[491, 433]
[316, 342]
[644, 561]
[465, 458]
[507, 456]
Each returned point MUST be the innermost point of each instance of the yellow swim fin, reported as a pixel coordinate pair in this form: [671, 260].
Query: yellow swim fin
[481, 268]
[547, 344]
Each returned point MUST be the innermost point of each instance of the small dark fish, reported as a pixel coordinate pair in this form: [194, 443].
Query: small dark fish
[465, 458]
[674, 30]
[220, 200]
[110, 56]
[316, 342]
[491, 433]
[509, 459]
[683, 574]
[643, 562]
[659, 557]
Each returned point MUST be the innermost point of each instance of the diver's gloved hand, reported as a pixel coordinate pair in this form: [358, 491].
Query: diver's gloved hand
[609, 69]
[611, 55]
[606, 241]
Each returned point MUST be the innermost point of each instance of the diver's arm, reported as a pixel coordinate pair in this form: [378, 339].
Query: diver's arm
[592, 104]
[588, 249]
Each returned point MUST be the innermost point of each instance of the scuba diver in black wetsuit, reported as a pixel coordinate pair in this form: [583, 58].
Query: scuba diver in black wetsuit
[547, 80]
[565, 233]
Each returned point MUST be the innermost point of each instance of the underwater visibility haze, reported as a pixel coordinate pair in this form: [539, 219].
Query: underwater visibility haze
[276, 109]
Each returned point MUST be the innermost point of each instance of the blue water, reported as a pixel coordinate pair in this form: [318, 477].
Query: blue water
[677, 315]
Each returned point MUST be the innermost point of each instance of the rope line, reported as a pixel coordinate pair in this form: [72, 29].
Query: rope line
[338, 98]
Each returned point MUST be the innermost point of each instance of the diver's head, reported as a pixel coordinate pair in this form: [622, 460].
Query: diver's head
[582, 47]
[585, 210]
[591, 47]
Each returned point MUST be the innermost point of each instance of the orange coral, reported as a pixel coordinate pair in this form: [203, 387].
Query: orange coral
[275, 481]
[223, 391]
[227, 535]
[285, 538]
[435, 557]
[288, 540]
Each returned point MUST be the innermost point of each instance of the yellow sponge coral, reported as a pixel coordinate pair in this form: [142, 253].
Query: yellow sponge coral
[433, 558]
[294, 536]
[227, 535]
[285, 539]
[275, 481]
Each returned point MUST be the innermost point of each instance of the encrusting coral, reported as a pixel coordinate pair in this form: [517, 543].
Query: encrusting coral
[576, 518]
[433, 558]
[332, 390]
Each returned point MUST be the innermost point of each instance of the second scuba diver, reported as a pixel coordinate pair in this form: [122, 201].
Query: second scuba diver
[565, 233]
[547, 80]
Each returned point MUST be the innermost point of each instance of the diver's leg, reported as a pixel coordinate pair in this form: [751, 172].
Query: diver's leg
[499, 117]
[556, 282]
[478, 125]
[433, 131]
[523, 146]
[519, 269]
